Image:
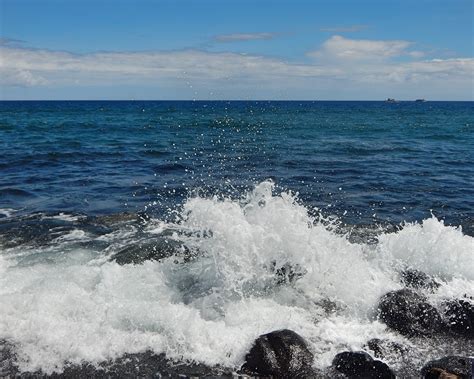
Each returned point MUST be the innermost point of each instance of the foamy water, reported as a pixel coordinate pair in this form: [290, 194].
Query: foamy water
[66, 303]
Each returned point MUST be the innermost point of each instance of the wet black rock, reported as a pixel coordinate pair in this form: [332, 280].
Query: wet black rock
[282, 353]
[154, 249]
[451, 367]
[360, 365]
[419, 280]
[409, 313]
[383, 349]
[459, 316]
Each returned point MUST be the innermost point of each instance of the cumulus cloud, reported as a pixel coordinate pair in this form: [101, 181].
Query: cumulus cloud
[241, 37]
[340, 63]
[344, 29]
[361, 49]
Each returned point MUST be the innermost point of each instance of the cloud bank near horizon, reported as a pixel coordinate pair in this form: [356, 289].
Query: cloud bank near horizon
[341, 64]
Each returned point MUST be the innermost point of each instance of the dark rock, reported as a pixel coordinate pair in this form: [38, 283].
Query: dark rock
[451, 367]
[409, 313]
[459, 316]
[361, 365]
[384, 349]
[282, 353]
[417, 279]
[142, 251]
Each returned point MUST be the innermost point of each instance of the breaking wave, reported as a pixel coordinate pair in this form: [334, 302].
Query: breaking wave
[243, 268]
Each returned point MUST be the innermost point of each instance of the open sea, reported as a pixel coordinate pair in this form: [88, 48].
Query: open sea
[343, 195]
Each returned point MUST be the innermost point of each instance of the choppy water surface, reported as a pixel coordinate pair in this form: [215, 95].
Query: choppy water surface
[347, 194]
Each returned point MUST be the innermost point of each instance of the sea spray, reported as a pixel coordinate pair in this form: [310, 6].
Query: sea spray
[65, 302]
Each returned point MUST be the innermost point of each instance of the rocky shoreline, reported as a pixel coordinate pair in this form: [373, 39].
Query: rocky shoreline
[285, 354]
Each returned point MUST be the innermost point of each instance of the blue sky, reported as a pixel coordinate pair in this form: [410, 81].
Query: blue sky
[143, 49]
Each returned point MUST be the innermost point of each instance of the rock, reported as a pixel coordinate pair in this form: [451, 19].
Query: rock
[459, 316]
[282, 353]
[384, 349]
[455, 367]
[149, 250]
[409, 313]
[419, 280]
[361, 365]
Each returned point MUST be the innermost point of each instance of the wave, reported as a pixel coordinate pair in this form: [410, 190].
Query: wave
[258, 263]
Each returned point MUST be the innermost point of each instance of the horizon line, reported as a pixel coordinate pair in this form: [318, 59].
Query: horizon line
[239, 100]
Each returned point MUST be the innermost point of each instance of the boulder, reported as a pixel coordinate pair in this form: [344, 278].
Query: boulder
[409, 313]
[459, 316]
[450, 367]
[418, 280]
[360, 365]
[282, 353]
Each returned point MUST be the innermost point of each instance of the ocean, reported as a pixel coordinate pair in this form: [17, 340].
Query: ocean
[343, 195]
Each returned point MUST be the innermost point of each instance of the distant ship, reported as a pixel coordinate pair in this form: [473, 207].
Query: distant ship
[420, 100]
[390, 100]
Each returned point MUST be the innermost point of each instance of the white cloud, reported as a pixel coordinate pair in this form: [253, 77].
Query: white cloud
[60, 66]
[338, 47]
[20, 78]
[341, 65]
[240, 37]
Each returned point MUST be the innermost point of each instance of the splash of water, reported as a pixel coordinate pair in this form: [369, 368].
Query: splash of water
[260, 263]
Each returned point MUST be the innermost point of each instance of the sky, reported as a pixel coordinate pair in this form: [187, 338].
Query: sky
[229, 49]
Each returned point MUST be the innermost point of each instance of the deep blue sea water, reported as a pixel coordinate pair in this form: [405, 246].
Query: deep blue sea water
[365, 162]
[191, 228]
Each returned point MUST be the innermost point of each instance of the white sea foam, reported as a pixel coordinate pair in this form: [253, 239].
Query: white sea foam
[65, 217]
[6, 212]
[212, 308]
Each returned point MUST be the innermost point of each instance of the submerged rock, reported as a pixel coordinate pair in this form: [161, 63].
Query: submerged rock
[142, 251]
[451, 367]
[361, 365]
[409, 313]
[417, 279]
[459, 316]
[282, 353]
